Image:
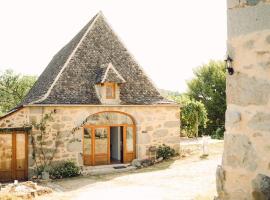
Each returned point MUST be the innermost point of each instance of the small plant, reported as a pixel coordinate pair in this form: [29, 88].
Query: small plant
[165, 151]
[64, 169]
[219, 133]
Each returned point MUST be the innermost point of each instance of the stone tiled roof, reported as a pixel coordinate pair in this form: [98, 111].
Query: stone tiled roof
[73, 72]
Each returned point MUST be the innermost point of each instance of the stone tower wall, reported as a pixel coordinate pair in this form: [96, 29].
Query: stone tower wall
[245, 170]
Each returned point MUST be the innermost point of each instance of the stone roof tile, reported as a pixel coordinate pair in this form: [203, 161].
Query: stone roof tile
[71, 76]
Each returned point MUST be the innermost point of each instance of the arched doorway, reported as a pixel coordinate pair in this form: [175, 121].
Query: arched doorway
[109, 137]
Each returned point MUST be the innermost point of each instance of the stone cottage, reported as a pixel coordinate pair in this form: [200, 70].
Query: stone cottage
[103, 108]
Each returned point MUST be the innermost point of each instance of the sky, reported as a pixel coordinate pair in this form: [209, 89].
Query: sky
[168, 38]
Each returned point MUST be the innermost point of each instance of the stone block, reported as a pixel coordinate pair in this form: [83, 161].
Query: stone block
[232, 117]
[149, 128]
[58, 126]
[244, 90]
[264, 64]
[267, 39]
[66, 118]
[74, 147]
[31, 161]
[172, 140]
[260, 121]
[144, 138]
[171, 124]
[80, 159]
[160, 133]
[220, 181]
[36, 110]
[249, 44]
[239, 152]
[33, 119]
[246, 20]
[252, 2]
[261, 187]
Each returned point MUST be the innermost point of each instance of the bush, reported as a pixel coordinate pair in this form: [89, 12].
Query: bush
[165, 151]
[219, 133]
[64, 169]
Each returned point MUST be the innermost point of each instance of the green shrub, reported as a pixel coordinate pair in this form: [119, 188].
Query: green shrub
[64, 169]
[219, 133]
[165, 152]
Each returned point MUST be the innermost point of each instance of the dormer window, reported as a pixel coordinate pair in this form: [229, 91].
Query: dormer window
[110, 90]
[108, 84]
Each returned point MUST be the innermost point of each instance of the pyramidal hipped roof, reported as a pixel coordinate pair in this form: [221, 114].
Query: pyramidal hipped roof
[94, 55]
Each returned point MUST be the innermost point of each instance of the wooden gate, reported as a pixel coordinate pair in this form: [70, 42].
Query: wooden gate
[13, 156]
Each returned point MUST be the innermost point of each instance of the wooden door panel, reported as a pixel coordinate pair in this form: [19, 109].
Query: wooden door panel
[5, 176]
[20, 175]
[21, 156]
[101, 145]
[6, 155]
[129, 157]
[129, 143]
[101, 159]
[13, 156]
[87, 159]
[87, 146]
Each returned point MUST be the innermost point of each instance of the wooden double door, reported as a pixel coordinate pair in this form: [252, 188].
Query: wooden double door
[13, 156]
[98, 144]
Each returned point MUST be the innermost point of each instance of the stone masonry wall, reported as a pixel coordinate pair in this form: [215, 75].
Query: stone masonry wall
[16, 119]
[155, 125]
[245, 170]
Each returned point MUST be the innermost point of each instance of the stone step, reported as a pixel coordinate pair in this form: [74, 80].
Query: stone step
[106, 169]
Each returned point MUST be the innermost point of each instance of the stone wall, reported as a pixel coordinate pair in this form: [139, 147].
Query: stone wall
[245, 170]
[154, 124]
[101, 92]
[17, 119]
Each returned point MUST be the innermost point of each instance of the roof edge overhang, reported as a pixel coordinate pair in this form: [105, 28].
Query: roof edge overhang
[91, 105]
[16, 109]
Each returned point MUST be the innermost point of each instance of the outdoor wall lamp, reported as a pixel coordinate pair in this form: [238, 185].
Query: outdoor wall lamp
[229, 66]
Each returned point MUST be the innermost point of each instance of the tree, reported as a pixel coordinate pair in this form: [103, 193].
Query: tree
[13, 88]
[209, 87]
[193, 115]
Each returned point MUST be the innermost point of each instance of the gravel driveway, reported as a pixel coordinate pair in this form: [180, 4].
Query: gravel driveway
[181, 179]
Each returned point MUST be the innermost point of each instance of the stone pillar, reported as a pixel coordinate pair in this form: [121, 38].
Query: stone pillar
[245, 170]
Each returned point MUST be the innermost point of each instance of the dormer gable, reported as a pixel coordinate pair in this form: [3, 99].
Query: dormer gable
[108, 81]
[108, 74]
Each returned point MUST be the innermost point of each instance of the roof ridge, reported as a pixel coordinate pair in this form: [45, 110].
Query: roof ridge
[44, 97]
[131, 55]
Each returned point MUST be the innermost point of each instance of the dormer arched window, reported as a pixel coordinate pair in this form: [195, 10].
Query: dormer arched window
[108, 83]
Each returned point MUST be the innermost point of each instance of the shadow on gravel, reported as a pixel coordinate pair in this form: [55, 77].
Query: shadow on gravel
[70, 184]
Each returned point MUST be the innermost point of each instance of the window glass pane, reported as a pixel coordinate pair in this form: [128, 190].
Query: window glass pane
[129, 139]
[20, 150]
[101, 140]
[87, 141]
[5, 151]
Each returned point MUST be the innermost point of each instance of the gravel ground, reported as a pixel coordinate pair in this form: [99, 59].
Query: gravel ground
[183, 179]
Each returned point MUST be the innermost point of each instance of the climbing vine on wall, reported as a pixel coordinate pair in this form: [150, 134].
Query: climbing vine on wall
[42, 154]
